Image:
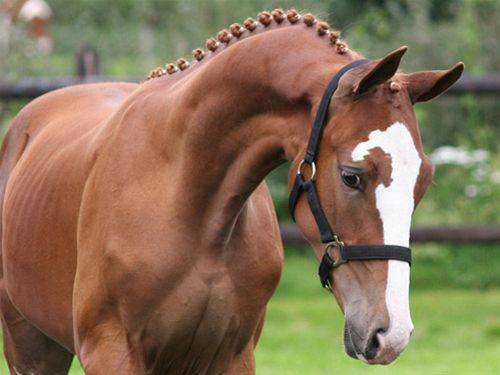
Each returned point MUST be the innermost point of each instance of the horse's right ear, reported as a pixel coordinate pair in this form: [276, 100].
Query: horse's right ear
[426, 85]
[363, 78]
[379, 71]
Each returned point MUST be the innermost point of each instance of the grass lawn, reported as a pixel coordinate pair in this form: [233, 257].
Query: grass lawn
[456, 331]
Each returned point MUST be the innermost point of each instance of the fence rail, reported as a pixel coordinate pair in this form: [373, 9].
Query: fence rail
[482, 85]
[88, 69]
[30, 88]
[457, 234]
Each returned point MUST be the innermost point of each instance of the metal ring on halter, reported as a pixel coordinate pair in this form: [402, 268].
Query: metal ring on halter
[313, 169]
[338, 244]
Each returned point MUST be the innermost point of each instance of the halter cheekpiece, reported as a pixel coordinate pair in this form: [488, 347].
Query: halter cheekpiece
[328, 236]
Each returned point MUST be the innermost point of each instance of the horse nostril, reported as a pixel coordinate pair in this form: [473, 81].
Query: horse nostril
[373, 346]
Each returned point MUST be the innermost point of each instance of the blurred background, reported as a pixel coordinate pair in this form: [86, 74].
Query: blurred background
[455, 297]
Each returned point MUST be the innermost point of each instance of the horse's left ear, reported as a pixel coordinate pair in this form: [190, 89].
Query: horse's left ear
[426, 85]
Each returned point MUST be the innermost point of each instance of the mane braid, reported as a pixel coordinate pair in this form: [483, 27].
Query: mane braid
[235, 31]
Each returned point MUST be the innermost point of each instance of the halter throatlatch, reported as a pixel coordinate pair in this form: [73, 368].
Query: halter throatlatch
[328, 236]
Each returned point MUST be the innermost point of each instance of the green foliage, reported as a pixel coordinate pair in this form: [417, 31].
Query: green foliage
[455, 266]
[137, 34]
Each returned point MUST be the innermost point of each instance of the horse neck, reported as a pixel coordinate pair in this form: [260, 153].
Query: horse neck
[246, 111]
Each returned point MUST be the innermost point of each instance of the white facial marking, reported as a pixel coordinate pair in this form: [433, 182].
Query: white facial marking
[395, 204]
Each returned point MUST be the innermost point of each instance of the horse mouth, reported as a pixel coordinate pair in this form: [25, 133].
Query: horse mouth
[374, 353]
[349, 346]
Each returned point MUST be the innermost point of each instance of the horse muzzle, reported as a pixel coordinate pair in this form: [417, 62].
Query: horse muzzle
[377, 345]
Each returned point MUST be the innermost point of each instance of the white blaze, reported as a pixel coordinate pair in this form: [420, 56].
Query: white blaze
[395, 204]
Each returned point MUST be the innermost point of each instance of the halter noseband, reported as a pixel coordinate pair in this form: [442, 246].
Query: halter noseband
[328, 236]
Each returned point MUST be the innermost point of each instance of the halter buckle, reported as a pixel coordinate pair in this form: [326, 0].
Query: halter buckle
[338, 243]
[313, 169]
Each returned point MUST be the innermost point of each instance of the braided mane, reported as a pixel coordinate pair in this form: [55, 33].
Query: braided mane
[236, 30]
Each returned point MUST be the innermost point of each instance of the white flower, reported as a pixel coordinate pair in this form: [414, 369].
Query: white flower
[470, 191]
[458, 156]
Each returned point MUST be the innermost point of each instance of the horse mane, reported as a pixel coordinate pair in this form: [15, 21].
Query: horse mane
[236, 30]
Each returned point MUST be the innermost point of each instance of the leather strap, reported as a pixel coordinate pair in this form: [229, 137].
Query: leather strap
[361, 252]
[367, 252]
[324, 228]
[327, 234]
[322, 113]
[317, 131]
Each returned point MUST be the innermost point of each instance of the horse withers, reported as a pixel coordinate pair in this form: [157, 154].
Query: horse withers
[137, 231]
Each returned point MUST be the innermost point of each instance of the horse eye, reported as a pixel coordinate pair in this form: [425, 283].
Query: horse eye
[350, 179]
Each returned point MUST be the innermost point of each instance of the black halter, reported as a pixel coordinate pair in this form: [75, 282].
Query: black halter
[328, 236]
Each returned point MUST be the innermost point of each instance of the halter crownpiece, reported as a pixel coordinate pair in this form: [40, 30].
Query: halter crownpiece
[328, 236]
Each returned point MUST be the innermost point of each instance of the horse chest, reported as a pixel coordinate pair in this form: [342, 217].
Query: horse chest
[207, 320]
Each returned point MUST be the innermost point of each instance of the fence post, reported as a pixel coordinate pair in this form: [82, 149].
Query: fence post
[87, 62]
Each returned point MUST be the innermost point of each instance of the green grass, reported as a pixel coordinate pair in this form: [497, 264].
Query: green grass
[457, 331]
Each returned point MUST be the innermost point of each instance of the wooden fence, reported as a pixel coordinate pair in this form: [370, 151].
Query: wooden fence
[87, 69]
[30, 88]
[464, 234]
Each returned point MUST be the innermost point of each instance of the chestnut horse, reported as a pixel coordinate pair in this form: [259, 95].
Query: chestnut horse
[138, 233]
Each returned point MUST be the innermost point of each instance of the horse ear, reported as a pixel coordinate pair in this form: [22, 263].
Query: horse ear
[426, 85]
[379, 71]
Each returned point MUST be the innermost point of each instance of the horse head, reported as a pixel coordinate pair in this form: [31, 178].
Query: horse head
[369, 175]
